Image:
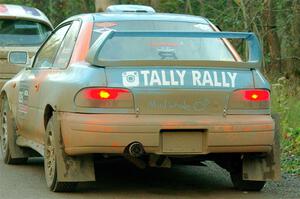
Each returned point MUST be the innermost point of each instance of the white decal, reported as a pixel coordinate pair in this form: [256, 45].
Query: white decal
[215, 79]
[196, 75]
[207, 79]
[163, 78]
[154, 79]
[131, 78]
[225, 84]
[21, 99]
[26, 93]
[165, 82]
[181, 75]
[179, 78]
[216, 82]
[145, 73]
[232, 77]
[172, 79]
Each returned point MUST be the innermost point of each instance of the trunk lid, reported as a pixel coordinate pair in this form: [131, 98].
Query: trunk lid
[180, 90]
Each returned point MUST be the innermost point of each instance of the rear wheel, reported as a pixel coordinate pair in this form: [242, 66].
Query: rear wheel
[50, 163]
[8, 135]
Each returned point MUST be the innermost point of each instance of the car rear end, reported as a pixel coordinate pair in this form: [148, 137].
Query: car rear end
[162, 91]
[174, 93]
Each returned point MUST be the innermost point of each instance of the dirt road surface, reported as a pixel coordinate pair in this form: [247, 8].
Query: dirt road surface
[119, 179]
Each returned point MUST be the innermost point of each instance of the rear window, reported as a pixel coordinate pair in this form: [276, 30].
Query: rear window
[99, 27]
[164, 48]
[160, 48]
[22, 33]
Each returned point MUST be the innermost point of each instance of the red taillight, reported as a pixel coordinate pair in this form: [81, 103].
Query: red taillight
[249, 99]
[255, 94]
[104, 98]
[104, 93]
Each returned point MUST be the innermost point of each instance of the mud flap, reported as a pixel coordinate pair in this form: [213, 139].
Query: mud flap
[266, 167]
[159, 161]
[71, 168]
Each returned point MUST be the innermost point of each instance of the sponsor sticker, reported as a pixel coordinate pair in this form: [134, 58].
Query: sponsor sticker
[23, 100]
[105, 24]
[176, 77]
[131, 79]
[31, 11]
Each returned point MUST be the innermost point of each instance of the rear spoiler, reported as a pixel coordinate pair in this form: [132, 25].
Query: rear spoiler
[254, 60]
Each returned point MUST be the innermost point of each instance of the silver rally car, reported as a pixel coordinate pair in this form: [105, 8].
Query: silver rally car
[22, 30]
[158, 89]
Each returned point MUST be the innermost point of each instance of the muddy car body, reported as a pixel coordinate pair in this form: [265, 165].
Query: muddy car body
[22, 31]
[138, 85]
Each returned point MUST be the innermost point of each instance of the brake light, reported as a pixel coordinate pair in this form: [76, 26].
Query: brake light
[104, 98]
[103, 93]
[256, 95]
[249, 99]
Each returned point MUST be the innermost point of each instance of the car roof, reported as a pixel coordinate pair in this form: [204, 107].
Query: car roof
[129, 8]
[10, 11]
[106, 16]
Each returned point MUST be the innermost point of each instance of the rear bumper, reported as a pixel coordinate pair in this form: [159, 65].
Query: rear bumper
[111, 133]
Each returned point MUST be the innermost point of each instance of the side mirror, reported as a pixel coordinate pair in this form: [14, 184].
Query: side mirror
[18, 57]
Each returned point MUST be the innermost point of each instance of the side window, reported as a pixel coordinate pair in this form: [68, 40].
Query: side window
[65, 52]
[46, 55]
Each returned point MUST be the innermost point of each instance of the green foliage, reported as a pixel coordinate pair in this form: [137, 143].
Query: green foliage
[171, 6]
[287, 104]
[281, 99]
[290, 147]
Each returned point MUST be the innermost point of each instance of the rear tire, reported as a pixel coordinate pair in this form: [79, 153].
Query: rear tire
[8, 134]
[245, 185]
[50, 164]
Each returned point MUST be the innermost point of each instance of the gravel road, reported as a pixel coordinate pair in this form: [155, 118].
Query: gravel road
[119, 179]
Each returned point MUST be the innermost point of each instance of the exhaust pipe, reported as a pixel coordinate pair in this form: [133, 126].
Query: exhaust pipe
[136, 149]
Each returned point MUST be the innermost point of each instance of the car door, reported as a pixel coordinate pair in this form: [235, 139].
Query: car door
[30, 117]
[54, 77]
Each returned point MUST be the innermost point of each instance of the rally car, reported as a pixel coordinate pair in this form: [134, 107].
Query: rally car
[22, 31]
[158, 89]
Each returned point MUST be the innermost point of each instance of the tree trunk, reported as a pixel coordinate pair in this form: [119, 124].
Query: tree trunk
[154, 3]
[294, 54]
[84, 7]
[188, 7]
[272, 37]
[202, 10]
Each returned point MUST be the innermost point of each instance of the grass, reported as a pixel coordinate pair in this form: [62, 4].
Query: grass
[286, 101]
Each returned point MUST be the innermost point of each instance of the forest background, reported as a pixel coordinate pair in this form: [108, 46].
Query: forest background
[277, 24]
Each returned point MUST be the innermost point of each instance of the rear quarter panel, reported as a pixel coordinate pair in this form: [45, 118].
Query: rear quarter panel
[59, 87]
[10, 89]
